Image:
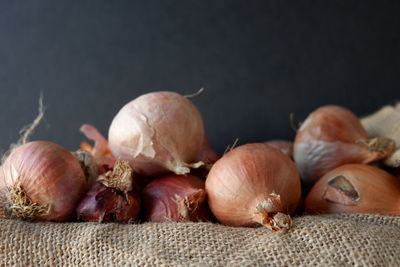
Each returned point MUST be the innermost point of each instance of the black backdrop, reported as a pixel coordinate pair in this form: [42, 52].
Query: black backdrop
[257, 60]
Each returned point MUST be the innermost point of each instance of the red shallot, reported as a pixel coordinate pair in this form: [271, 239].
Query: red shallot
[176, 198]
[112, 198]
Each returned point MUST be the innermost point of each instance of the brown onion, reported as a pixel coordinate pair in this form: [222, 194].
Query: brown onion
[254, 184]
[285, 146]
[112, 198]
[158, 132]
[176, 198]
[355, 188]
[332, 136]
[41, 181]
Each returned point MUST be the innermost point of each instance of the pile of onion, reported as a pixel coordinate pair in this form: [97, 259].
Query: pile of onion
[355, 188]
[254, 184]
[157, 133]
[332, 136]
[41, 181]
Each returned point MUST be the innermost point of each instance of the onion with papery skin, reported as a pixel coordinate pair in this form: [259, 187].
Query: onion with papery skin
[157, 133]
[355, 188]
[285, 146]
[176, 198]
[112, 198]
[252, 185]
[41, 181]
[332, 136]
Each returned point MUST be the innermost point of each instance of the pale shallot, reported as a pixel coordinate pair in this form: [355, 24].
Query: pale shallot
[157, 133]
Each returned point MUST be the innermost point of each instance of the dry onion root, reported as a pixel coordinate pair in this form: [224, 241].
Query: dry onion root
[332, 136]
[41, 181]
[252, 185]
[176, 198]
[157, 133]
[355, 188]
[112, 198]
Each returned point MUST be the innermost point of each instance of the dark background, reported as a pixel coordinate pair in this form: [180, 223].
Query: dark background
[257, 60]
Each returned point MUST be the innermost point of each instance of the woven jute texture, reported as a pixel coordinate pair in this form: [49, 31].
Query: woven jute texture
[338, 240]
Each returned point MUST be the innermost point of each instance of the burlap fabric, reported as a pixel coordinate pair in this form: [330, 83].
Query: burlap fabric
[338, 240]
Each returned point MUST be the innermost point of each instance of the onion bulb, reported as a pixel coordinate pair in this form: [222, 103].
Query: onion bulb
[112, 198]
[332, 136]
[254, 184]
[355, 188]
[176, 198]
[41, 181]
[157, 133]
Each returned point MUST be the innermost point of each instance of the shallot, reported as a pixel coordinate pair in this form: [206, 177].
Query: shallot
[157, 133]
[332, 136]
[112, 198]
[355, 188]
[254, 184]
[176, 198]
[41, 181]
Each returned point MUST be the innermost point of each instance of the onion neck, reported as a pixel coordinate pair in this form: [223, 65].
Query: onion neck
[120, 178]
[268, 213]
[378, 148]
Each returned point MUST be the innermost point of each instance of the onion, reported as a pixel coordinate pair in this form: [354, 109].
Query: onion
[332, 136]
[158, 132]
[176, 198]
[285, 146]
[41, 181]
[254, 184]
[112, 198]
[355, 188]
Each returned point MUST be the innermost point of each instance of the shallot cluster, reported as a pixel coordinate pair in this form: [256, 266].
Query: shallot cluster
[157, 165]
